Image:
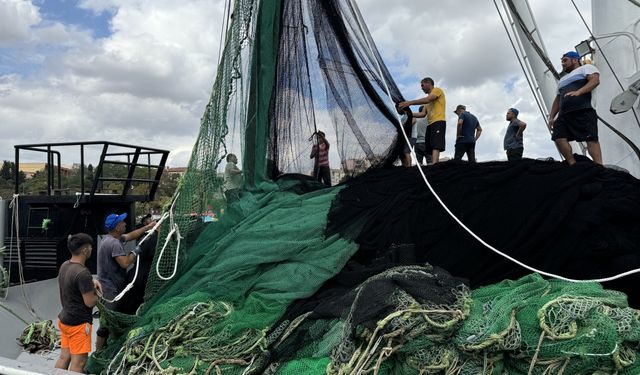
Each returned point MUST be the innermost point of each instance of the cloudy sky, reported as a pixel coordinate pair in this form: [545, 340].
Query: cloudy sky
[140, 71]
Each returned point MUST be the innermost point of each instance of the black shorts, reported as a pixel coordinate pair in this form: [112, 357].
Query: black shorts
[435, 136]
[515, 154]
[580, 125]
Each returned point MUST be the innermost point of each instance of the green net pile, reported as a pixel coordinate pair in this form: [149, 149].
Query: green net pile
[527, 326]
[217, 294]
[237, 279]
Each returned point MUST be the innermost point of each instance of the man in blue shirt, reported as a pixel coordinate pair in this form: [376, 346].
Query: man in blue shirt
[513, 141]
[577, 120]
[469, 131]
[113, 261]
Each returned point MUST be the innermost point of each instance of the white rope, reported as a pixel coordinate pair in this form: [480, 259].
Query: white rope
[15, 220]
[174, 230]
[135, 275]
[78, 195]
[453, 216]
[615, 349]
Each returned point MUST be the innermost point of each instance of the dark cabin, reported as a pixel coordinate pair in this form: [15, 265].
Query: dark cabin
[123, 175]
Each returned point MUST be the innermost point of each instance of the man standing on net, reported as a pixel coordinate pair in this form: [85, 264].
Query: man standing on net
[577, 120]
[434, 109]
[468, 132]
[232, 179]
[79, 293]
[513, 138]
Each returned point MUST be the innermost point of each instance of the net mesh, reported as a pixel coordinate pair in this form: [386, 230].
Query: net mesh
[268, 289]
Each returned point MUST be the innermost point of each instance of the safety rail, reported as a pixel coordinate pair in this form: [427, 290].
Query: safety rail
[138, 165]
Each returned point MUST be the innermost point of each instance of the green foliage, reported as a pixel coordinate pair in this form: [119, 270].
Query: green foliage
[7, 179]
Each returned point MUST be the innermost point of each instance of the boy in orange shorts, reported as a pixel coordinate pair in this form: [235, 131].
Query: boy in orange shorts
[79, 293]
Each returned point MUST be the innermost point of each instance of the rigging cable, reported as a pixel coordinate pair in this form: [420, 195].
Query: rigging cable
[635, 2]
[622, 136]
[225, 23]
[543, 56]
[531, 87]
[453, 216]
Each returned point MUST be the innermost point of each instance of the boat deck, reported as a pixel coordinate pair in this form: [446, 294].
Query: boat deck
[44, 299]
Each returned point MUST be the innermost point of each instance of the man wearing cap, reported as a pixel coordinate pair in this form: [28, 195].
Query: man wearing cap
[577, 120]
[113, 261]
[435, 104]
[468, 132]
[513, 141]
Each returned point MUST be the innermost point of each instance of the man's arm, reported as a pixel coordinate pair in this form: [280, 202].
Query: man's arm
[427, 99]
[90, 295]
[90, 299]
[124, 261]
[521, 126]
[421, 114]
[478, 131]
[138, 232]
[459, 132]
[235, 170]
[593, 80]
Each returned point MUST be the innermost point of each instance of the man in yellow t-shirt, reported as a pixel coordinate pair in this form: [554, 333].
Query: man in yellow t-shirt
[434, 110]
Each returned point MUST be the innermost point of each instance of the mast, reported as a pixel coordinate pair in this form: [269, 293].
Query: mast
[616, 29]
[530, 50]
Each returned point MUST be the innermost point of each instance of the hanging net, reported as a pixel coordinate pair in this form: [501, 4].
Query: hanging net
[371, 275]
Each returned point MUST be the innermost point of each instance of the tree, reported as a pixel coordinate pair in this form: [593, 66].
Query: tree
[7, 178]
[7, 170]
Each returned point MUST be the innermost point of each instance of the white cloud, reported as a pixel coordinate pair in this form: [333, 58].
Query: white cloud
[147, 84]
[16, 19]
[149, 81]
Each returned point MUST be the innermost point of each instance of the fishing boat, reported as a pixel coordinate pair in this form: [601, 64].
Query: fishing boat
[492, 268]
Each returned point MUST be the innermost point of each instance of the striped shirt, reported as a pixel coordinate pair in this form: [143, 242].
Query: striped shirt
[323, 154]
[572, 82]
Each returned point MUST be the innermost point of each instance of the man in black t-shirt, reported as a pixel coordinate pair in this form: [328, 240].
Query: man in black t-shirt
[79, 293]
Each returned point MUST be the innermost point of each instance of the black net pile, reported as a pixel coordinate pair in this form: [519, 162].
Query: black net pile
[581, 222]
[348, 318]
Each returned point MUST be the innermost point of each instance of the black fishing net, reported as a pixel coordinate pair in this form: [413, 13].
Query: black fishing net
[331, 78]
[581, 222]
